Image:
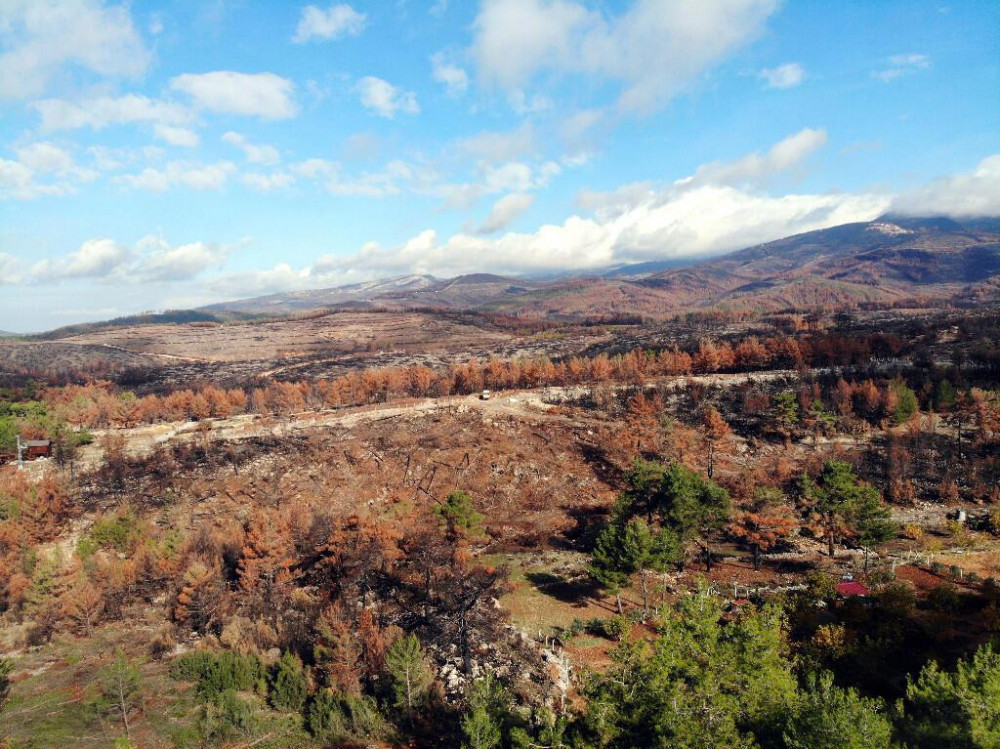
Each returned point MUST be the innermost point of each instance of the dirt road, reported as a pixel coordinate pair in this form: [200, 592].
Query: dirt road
[530, 405]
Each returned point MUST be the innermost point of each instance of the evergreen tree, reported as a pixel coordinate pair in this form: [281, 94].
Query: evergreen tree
[827, 717]
[289, 687]
[460, 515]
[409, 671]
[957, 710]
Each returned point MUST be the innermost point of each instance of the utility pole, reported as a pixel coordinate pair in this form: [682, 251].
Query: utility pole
[21, 447]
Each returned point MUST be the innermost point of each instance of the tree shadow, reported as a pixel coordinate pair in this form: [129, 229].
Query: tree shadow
[577, 592]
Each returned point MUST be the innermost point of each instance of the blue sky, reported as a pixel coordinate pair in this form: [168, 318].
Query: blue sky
[168, 154]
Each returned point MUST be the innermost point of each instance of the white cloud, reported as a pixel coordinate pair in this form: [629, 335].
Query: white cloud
[45, 158]
[268, 182]
[9, 273]
[454, 78]
[161, 262]
[181, 174]
[152, 260]
[755, 167]
[492, 146]
[96, 258]
[315, 168]
[696, 216]
[112, 159]
[177, 136]
[336, 22]
[788, 75]
[654, 49]
[974, 194]
[264, 95]
[511, 176]
[361, 146]
[42, 37]
[384, 99]
[900, 65]
[671, 223]
[41, 169]
[254, 154]
[505, 211]
[99, 112]
[281, 277]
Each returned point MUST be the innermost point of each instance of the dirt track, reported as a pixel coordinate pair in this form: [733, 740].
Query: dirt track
[530, 405]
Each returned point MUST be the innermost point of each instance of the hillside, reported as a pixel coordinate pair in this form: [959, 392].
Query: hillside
[886, 260]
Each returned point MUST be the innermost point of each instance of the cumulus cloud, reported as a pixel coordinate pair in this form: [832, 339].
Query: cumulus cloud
[493, 146]
[161, 262]
[653, 49]
[335, 22]
[152, 260]
[973, 194]
[788, 75]
[454, 78]
[282, 277]
[755, 167]
[254, 154]
[177, 136]
[383, 99]
[710, 212]
[900, 65]
[264, 95]
[180, 174]
[505, 211]
[268, 182]
[96, 258]
[45, 158]
[41, 169]
[9, 270]
[42, 37]
[492, 179]
[100, 112]
[668, 224]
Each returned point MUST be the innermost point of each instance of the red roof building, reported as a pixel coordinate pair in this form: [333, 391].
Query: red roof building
[850, 589]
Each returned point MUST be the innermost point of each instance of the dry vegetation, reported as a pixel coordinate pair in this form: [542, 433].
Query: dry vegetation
[310, 526]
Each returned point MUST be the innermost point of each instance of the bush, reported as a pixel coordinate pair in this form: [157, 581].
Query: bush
[289, 688]
[618, 627]
[215, 674]
[973, 577]
[944, 597]
[937, 568]
[955, 571]
[338, 717]
[117, 534]
[912, 531]
[577, 628]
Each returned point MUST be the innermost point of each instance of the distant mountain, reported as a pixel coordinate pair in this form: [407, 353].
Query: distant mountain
[886, 260]
[297, 301]
[463, 292]
[891, 259]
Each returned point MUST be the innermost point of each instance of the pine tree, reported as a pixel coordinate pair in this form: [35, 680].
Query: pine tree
[409, 671]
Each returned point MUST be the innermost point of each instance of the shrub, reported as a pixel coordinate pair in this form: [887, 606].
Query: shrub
[955, 571]
[339, 717]
[117, 534]
[289, 688]
[215, 674]
[973, 577]
[937, 568]
[618, 627]
[912, 531]
[944, 598]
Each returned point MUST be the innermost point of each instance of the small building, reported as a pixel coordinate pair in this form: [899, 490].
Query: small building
[37, 449]
[851, 589]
